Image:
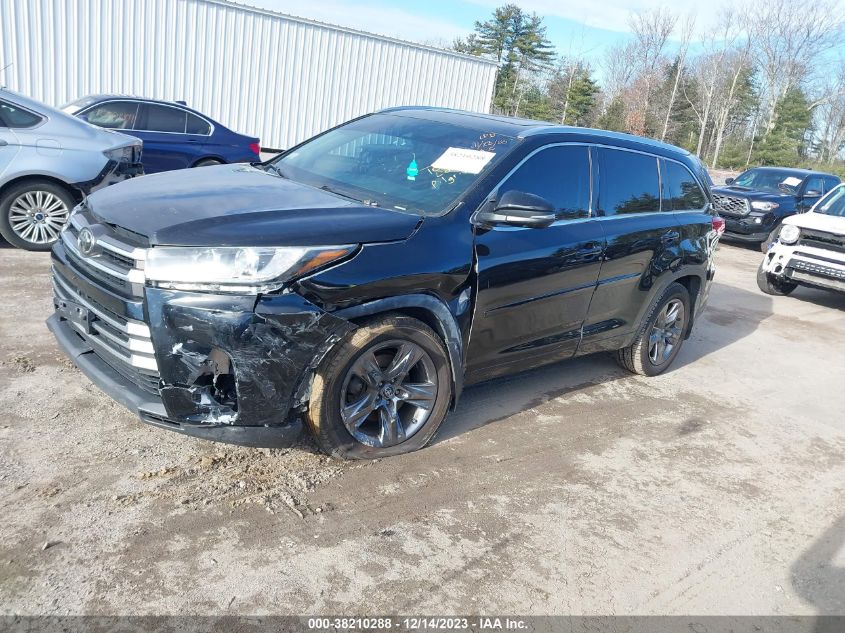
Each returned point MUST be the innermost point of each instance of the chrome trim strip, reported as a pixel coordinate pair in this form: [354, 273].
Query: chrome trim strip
[131, 327]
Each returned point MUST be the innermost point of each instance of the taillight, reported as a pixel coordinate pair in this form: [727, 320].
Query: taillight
[718, 224]
[255, 148]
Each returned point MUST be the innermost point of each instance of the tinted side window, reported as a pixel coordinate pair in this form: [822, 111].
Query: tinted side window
[114, 115]
[814, 183]
[629, 183]
[559, 174]
[159, 118]
[14, 117]
[682, 190]
[830, 183]
[197, 125]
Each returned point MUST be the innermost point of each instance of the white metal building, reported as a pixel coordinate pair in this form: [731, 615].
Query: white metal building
[278, 77]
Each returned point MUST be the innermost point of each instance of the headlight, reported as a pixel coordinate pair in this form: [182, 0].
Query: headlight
[789, 234]
[761, 205]
[241, 270]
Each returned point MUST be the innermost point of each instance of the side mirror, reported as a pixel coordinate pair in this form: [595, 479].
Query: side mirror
[518, 208]
[729, 181]
[812, 193]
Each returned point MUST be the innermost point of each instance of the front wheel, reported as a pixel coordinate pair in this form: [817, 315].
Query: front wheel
[661, 336]
[773, 286]
[382, 391]
[33, 213]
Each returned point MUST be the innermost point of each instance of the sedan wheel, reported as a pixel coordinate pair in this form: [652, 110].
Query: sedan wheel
[38, 216]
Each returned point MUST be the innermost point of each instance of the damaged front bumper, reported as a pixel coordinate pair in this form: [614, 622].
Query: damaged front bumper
[806, 265]
[222, 367]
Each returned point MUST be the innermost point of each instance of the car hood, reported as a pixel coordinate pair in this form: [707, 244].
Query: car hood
[819, 222]
[239, 205]
[780, 198]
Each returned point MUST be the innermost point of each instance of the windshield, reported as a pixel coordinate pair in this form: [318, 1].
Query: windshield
[833, 203]
[396, 161]
[769, 180]
[75, 106]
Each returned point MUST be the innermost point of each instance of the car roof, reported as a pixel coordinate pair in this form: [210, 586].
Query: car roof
[796, 171]
[524, 128]
[96, 98]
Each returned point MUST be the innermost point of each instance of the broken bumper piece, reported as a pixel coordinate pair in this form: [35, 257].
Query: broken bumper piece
[229, 368]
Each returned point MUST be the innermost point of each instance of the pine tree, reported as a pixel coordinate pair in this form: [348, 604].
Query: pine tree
[784, 144]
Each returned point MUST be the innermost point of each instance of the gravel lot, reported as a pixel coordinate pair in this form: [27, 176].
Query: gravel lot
[718, 488]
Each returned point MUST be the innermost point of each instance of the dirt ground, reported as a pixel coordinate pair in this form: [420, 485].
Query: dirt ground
[718, 488]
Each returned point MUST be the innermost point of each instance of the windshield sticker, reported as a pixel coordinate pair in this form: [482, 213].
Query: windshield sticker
[792, 181]
[463, 161]
[412, 170]
[488, 141]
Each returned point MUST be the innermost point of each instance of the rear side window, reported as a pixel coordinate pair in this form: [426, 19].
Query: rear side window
[682, 191]
[114, 115]
[197, 125]
[158, 118]
[629, 183]
[12, 116]
[560, 174]
[830, 183]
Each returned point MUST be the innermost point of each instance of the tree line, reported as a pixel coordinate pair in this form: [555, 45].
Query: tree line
[762, 85]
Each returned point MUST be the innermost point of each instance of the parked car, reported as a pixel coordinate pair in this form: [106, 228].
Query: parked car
[48, 162]
[174, 135]
[809, 250]
[755, 203]
[360, 279]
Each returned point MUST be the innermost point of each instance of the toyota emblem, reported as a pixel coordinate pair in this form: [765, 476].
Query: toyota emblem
[86, 241]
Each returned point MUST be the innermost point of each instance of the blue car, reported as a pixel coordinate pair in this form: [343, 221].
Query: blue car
[174, 135]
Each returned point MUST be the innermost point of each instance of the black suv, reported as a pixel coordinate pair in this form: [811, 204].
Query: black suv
[359, 280]
[756, 202]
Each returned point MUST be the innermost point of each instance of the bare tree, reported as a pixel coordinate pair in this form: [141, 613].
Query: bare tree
[686, 36]
[788, 35]
[652, 30]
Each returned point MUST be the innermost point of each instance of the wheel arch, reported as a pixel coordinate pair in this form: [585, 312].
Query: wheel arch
[74, 191]
[213, 157]
[693, 283]
[431, 311]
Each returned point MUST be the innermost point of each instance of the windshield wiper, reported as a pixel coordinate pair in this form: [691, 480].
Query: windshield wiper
[277, 170]
[370, 203]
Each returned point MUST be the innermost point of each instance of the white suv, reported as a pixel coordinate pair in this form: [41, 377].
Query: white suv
[809, 250]
[48, 162]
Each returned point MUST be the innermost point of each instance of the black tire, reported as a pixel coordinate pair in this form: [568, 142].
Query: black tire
[764, 245]
[773, 286]
[636, 358]
[34, 187]
[336, 374]
[207, 162]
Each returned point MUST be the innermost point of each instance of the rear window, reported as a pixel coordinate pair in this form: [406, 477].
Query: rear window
[629, 183]
[683, 192]
[197, 125]
[12, 116]
[158, 118]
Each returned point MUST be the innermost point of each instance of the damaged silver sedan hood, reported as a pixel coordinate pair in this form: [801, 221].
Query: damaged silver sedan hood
[239, 205]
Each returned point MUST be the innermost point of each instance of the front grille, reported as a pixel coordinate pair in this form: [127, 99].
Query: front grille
[115, 266]
[731, 206]
[820, 239]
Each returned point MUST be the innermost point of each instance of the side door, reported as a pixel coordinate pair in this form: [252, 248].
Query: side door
[642, 243]
[535, 284]
[166, 145]
[9, 143]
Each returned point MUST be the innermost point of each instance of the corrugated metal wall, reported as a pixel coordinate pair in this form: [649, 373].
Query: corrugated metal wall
[259, 72]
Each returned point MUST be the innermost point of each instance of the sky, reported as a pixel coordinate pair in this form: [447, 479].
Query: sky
[586, 28]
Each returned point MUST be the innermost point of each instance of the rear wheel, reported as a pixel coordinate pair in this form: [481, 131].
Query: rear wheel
[383, 391]
[771, 285]
[661, 336]
[207, 162]
[33, 213]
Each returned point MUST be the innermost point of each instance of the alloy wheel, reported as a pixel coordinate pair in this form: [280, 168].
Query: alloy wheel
[388, 393]
[38, 216]
[666, 332]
